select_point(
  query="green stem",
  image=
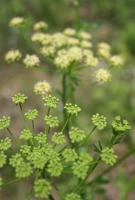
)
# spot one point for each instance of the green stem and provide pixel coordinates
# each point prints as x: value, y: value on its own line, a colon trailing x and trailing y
x: 10, y: 132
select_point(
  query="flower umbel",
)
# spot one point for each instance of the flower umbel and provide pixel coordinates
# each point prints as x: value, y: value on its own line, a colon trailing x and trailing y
x: 31, y: 114
x: 19, y: 98
x: 99, y: 121
x: 4, y: 122
x: 42, y: 188
x: 72, y: 109
x: 108, y: 156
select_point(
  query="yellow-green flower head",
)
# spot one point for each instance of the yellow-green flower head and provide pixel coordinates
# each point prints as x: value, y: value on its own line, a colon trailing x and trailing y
x: 51, y: 121
x: 16, y: 22
x: 81, y: 166
x: 42, y: 88
x: 48, y: 51
x: 4, y: 122
x: 102, y: 75
x: 58, y: 138
x: 120, y: 125
x: 73, y: 196
x: 50, y: 101
x: 31, y: 61
x: 59, y: 39
x: 41, y: 38
x: 31, y: 114
x: 116, y: 61
x: 72, y: 109
x: 72, y: 41
x: 19, y: 98
x: 69, y: 155
x: 12, y: 56
x: 99, y: 121
x: 85, y: 35
x: 5, y: 144
x: 108, y: 156
x: 42, y: 188
x: 104, y: 50
x: 69, y: 32
x: 55, y: 168
x: 76, y: 135
x: 26, y: 134
x: 41, y: 25
x: 86, y: 44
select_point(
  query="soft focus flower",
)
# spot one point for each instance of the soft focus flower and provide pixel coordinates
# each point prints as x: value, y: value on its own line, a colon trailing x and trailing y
x: 69, y: 32
x: 102, y: 75
x: 41, y: 38
x: 72, y: 41
x: 116, y: 60
x: 31, y: 61
x: 73, y: 196
x: 48, y: 50
x: 16, y: 22
x: 85, y: 35
x: 104, y: 50
x: 12, y: 56
x: 59, y: 39
x: 86, y: 44
x: 62, y: 60
x: 42, y: 88
x: 41, y: 25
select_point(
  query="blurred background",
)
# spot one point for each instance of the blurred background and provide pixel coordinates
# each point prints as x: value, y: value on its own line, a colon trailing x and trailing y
x: 107, y: 20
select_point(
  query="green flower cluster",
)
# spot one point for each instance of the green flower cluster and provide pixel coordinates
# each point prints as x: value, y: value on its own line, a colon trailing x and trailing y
x: 58, y: 138
x: 72, y: 109
x: 41, y: 138
x: 22, y: 167
x: 31, y: 114
x: 108, y: 156
x: 51, y: 121
x: 81, y: 166
x: 42, y: 188
x: 99, y: 121
x: 120, y: 125
x: 76, y: 135
x: 26, y: 134
x: 55, y: 166
x: 73, y: 196
x: 19, y: 98
x: 5, y: 122
x: 50, y: 101
x: 69, y: 155
x: 5, y: 144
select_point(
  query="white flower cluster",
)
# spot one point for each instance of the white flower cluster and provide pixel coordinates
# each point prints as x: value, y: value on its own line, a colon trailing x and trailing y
x: 12, y: 56
x: 42, y: 88
x: 16, y: 22
x: 67, y: 48
x: 31, y: 61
